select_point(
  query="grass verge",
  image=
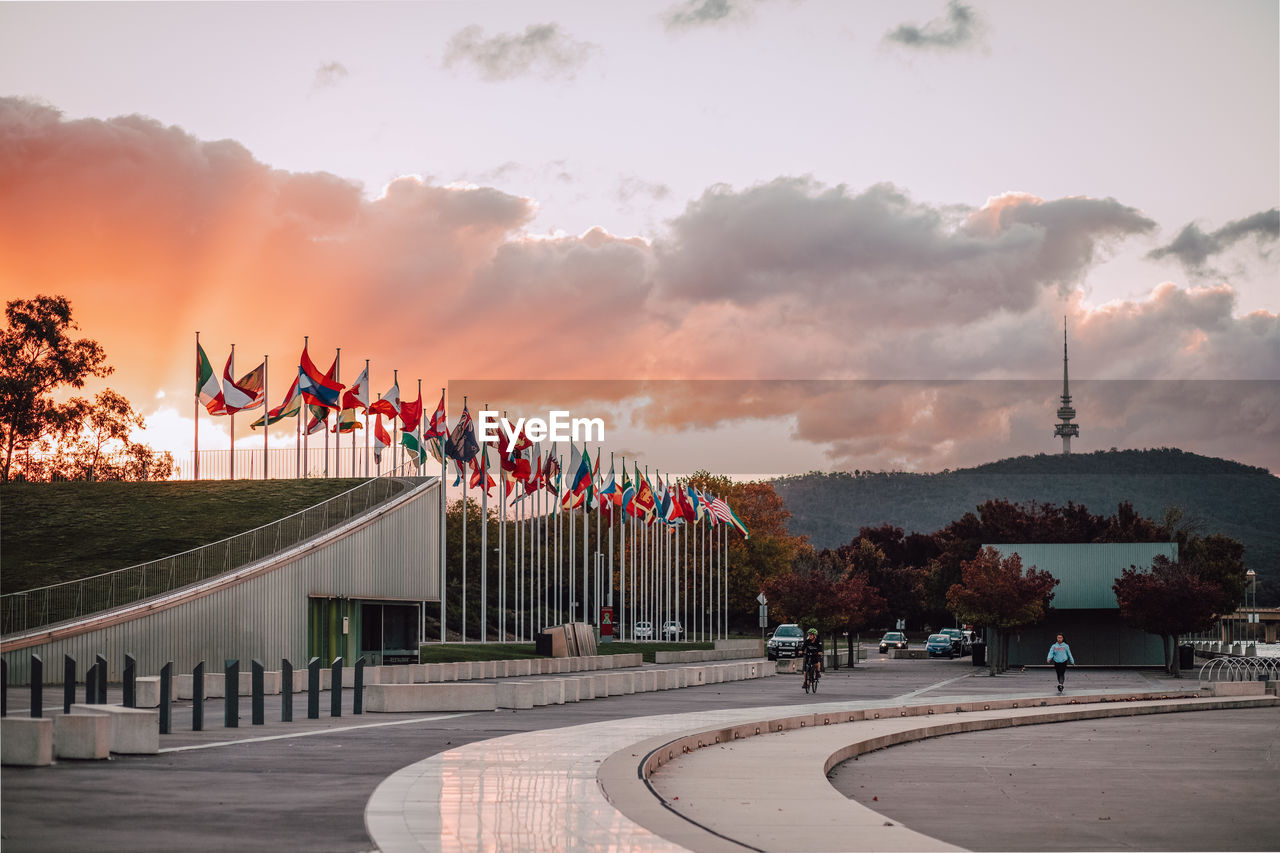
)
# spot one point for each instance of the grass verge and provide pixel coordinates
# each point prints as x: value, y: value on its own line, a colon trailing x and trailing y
x: 456, y: 652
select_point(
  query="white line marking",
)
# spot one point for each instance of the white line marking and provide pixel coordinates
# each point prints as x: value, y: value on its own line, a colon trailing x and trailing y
x: 915, y: 693
x: 315, y: 732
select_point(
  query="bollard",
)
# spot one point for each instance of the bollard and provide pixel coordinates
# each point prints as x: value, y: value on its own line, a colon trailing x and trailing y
x: 130, y: 682
x: 166, y: 709
x: 37, y: 686
x: 197, y: 698
x: 257, y: 689
x: 91, y: 685
x: 357, y: 700
x: 286, y: 691
x: 231, y: 694
x: 102, y: 680
x: 313, y: 689
x: 4, y: 688
x: 335, y: 694
x: 68, y: 683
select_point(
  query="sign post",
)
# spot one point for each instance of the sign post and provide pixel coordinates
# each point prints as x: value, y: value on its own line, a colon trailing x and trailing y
x: 606, y: 624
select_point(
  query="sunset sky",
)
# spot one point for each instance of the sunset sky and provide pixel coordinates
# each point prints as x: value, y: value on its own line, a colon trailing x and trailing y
x: 877, y: 212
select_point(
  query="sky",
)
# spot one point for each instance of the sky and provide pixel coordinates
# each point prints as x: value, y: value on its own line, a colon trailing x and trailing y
x: 827, y: 235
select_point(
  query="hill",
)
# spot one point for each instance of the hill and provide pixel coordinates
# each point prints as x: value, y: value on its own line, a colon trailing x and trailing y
x: 1216, y: 495
x: 53, y: 532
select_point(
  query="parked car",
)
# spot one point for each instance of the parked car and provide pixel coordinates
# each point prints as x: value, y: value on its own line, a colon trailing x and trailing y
x: 959, y: 642
x: 940, y: 645
x: 784, y: 642
x: 672, y: 630
x: 642, y: 631
x: 893, y: 640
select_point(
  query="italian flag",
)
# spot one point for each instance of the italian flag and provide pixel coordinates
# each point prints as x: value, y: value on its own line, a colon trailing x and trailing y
x: 411, y: 445
x: 207, y: 389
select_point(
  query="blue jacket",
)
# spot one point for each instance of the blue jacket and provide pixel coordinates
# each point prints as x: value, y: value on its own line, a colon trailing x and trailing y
x: 1058, y: 653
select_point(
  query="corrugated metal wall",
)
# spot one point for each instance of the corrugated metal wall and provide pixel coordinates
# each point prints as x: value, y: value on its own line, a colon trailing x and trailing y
x: 391, y: 553
x: 1086, y: 572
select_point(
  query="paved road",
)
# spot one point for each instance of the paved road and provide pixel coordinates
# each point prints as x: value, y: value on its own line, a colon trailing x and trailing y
x: 306, y: 787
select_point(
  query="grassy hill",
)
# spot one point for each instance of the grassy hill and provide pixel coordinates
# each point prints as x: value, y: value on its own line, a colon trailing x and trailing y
x: 1218, y: 495
x: 52, y: 532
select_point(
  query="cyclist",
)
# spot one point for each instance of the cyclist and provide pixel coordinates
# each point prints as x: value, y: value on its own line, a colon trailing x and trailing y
x: 811, y: 652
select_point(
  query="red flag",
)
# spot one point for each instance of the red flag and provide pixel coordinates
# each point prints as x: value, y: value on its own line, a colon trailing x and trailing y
x: 381, y: 439
x: 411, y: 414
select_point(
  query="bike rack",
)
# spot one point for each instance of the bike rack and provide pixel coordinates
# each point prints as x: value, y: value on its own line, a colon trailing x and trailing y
x: 1239, y: 669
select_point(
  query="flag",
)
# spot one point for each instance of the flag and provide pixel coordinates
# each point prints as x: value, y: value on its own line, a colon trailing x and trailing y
x: 686, y: 506
x: 628, y: 492
x: 410, y: 442
x: 208, y: 392
x: 578, y: 470
x: 348, y: 421
x: 380, y: 440
x: 437, y: 432
x: 357, y: 396
x: 551, y: 472
x: 245, y: 393
x: 461, y: 445
x: 411, y: 414
x: 677, y: 514
x: 289, y: 408
x: 480, y: 471
x: 721, y: 510
x: 317, y: 419
x: 319, y: 389
x: 644, y: 495
x: 513, y: 456
x: 609, y: 489
x: 696, y: 504
x: 389, y: 403
x: 661, y: 499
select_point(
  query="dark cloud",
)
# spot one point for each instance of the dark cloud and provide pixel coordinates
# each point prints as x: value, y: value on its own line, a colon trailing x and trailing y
x: 700, y: 13
x: 1193, y: 247
x: 959, y: 28
x: 878, y: 253
x: 541, y: 49
x: 329, y: 74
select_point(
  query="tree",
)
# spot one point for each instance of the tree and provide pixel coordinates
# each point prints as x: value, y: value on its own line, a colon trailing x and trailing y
x: 1169, y: 599
x: 37, y: 356
x: 95, y: 444
x: 996, y: 593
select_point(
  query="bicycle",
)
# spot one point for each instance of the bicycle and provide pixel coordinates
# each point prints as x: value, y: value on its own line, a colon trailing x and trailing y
x: 812, y: 674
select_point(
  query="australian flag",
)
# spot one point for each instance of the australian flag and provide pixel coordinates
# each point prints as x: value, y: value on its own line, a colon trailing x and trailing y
x: 461, y: 445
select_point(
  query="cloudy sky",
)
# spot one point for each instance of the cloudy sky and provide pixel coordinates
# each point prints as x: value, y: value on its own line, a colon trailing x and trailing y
x: 877, y: 214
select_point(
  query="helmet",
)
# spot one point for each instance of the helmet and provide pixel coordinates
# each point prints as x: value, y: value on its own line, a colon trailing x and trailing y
x: 813, y: 632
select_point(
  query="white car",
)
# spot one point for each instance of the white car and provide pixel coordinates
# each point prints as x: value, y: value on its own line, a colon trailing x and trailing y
x: 642, y: 631
x: 672, y: 630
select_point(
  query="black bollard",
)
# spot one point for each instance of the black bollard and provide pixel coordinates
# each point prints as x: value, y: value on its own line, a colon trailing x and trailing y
x: 37, y: 686
x: 68, y: 683
x: 4, y: 688
x: 166, y: 709
x: 91, y: 686
x: 335, y: 694
x: 258, y: 688
x: 313, y: 689
x: 130, y: 682
x: 197, y: 698
x: 286, y: 691
x: 357, y: 699
x: 231, y: 694
x: 102, y: 680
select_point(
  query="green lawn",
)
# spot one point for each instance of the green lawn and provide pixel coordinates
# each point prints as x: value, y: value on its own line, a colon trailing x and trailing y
x: 451, y: 652
x: 53, y: 532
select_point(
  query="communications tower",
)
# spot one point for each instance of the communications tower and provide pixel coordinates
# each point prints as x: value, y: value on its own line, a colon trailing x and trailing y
x: 1066, y: 413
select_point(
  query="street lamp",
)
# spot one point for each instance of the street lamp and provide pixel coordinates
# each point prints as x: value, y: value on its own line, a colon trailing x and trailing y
x: 1251, y: 602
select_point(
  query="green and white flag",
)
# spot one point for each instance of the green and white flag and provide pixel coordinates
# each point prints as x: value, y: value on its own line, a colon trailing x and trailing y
x: 208, y: 391
x: 414, y: 449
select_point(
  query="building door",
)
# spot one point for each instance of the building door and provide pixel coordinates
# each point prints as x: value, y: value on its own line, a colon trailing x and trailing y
x: 389, y: 632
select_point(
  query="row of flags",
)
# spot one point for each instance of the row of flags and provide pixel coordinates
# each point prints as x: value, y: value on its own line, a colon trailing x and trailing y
x: 522, y: 464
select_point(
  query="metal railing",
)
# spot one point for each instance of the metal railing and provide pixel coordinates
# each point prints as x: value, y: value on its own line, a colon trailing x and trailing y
x: 35, y: 608
x: 1239, y: 669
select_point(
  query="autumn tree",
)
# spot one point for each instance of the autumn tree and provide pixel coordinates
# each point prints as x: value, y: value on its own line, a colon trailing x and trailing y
x: 97, y: 444
x: 38, y: 355
x: 1170, y: 599
x: 996, y: 593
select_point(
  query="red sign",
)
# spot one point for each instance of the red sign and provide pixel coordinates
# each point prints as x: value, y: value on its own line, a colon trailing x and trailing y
x: 606, y: 621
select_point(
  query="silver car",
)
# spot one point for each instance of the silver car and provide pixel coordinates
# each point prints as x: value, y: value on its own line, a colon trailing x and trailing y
x: 642, y: 631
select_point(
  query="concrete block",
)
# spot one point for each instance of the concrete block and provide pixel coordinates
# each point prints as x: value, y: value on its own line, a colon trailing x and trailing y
x: 417, y: 673
x: 601, y: 681
x: 448, y: 671
x: 586, y: 687
x: 270, y: 683
x: 401, y: 675
x: 409, y: 698
x: 555, y: 691
x: 26, y: 741
x: 146, y: 693
x: 621, y: 683
x: 516, y: 694
x: 134, y: 731
x: 571, y: 689
x: 1239, y: 688
x: 86, y: 736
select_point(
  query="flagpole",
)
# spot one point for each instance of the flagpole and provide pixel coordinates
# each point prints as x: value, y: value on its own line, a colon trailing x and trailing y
x: 266, y: 414
x: 337, y: 372
x: 619, y: 513
x: 502, y: 548
x: 542, y: 541
x: 366, y: 435
x: 304, y: 414
x: 444, y: 519
x: 464, y: 532
x: 233, y: 415
x: 484, y: 539
x: 196, y: 415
